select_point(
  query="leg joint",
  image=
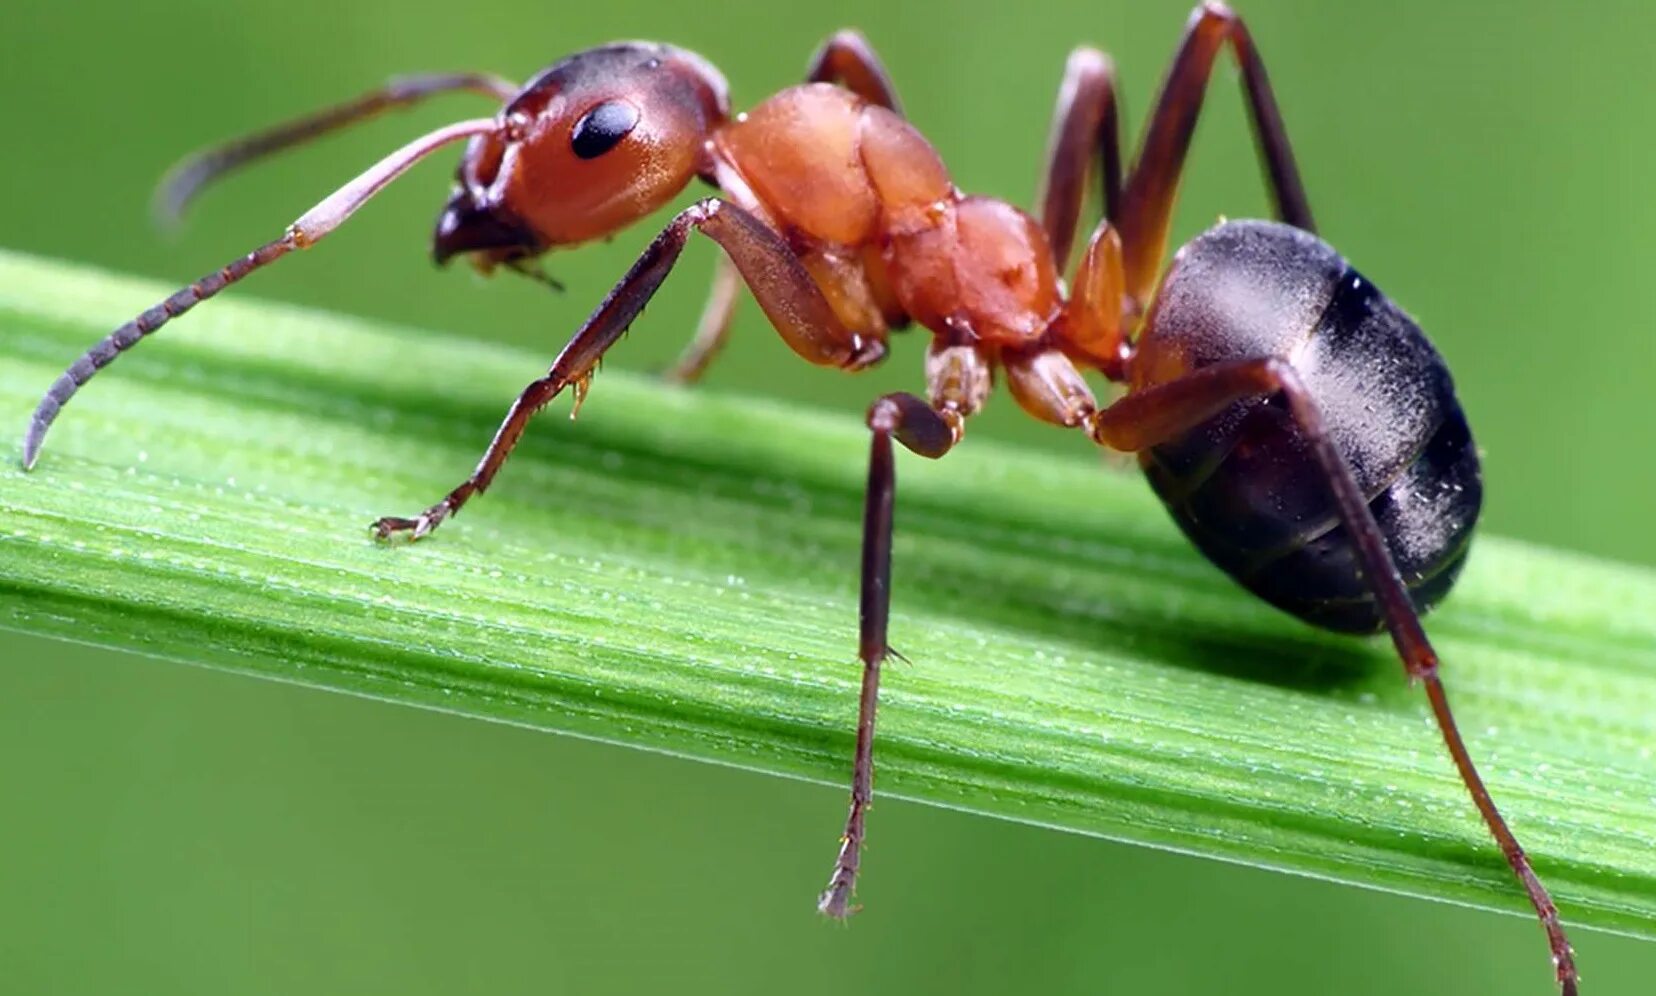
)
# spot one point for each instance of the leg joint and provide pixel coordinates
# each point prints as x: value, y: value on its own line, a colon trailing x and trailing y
x: 1093, y: 62
x: 1217, y: 11
x: 921, y: 428
x: 701, y: 212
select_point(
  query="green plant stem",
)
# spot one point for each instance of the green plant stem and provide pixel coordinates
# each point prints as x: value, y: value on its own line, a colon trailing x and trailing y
x: 677, y: 571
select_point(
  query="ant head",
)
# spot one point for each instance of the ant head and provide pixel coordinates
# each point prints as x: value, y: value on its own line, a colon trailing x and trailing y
x: 588, y: 147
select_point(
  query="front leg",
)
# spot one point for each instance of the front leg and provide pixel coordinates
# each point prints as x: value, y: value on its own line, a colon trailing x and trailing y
x: 845, y: 58
x: 784, y: 290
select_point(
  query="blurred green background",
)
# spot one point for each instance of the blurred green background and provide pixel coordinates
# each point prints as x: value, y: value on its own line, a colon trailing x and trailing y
x: 169, y: 830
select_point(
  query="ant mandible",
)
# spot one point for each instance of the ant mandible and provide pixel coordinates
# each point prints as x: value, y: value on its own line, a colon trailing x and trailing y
x: 1298, y: 425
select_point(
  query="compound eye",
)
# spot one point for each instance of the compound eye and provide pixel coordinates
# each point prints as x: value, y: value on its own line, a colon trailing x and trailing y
x: 601, y: 128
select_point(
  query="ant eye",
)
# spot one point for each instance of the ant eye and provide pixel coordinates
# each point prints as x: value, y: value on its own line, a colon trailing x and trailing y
x: 601, y: 128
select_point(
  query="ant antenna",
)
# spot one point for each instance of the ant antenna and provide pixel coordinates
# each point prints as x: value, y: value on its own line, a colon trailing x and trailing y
x: 185, y: 180
x: 305, y: 232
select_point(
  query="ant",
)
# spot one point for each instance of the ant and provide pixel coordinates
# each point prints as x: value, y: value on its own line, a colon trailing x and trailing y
x: 1298, y: 425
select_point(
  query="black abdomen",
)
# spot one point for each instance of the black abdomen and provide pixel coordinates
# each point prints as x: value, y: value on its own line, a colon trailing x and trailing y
x: 1243, y: 485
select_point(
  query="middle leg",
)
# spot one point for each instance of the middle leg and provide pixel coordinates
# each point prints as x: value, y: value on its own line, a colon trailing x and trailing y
x: 958, y: 378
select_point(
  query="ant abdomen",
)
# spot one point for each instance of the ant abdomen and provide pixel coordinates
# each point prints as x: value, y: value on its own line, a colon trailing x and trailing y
x: 1244, y: 486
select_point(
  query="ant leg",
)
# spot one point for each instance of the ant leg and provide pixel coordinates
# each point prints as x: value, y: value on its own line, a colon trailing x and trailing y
x: 959, y: 379
x: 713, y: 328
x: 930, y: 433
x: 191, y: 175
x: 1047, y: 385
x: 1085, y: 122
x: 845, y: 58
x: 785, y: 291
x: 1151, y: 416
x: 1147, y: 202
x: 1094, y: 325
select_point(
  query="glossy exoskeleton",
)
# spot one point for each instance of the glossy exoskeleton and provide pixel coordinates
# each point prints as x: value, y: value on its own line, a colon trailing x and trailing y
x: 1297, y: 423
x: 1240, y: 484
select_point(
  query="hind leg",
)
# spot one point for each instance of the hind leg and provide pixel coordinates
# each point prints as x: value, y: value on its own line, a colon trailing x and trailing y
x: 1167, y: 411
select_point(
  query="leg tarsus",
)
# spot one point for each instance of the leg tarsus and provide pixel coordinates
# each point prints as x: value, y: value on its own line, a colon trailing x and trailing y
x: 532, y: 399
x: 417, y: 527
x: 1563, y: 955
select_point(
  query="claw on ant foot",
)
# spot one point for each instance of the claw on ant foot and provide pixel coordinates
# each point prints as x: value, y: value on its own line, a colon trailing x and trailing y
x: 416, y: 528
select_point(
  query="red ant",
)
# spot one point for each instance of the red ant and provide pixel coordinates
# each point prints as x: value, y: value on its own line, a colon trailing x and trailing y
x: 1298, y: 425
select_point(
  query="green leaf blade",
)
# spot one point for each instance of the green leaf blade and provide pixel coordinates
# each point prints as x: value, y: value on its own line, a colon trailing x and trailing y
x: 677, y: 571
